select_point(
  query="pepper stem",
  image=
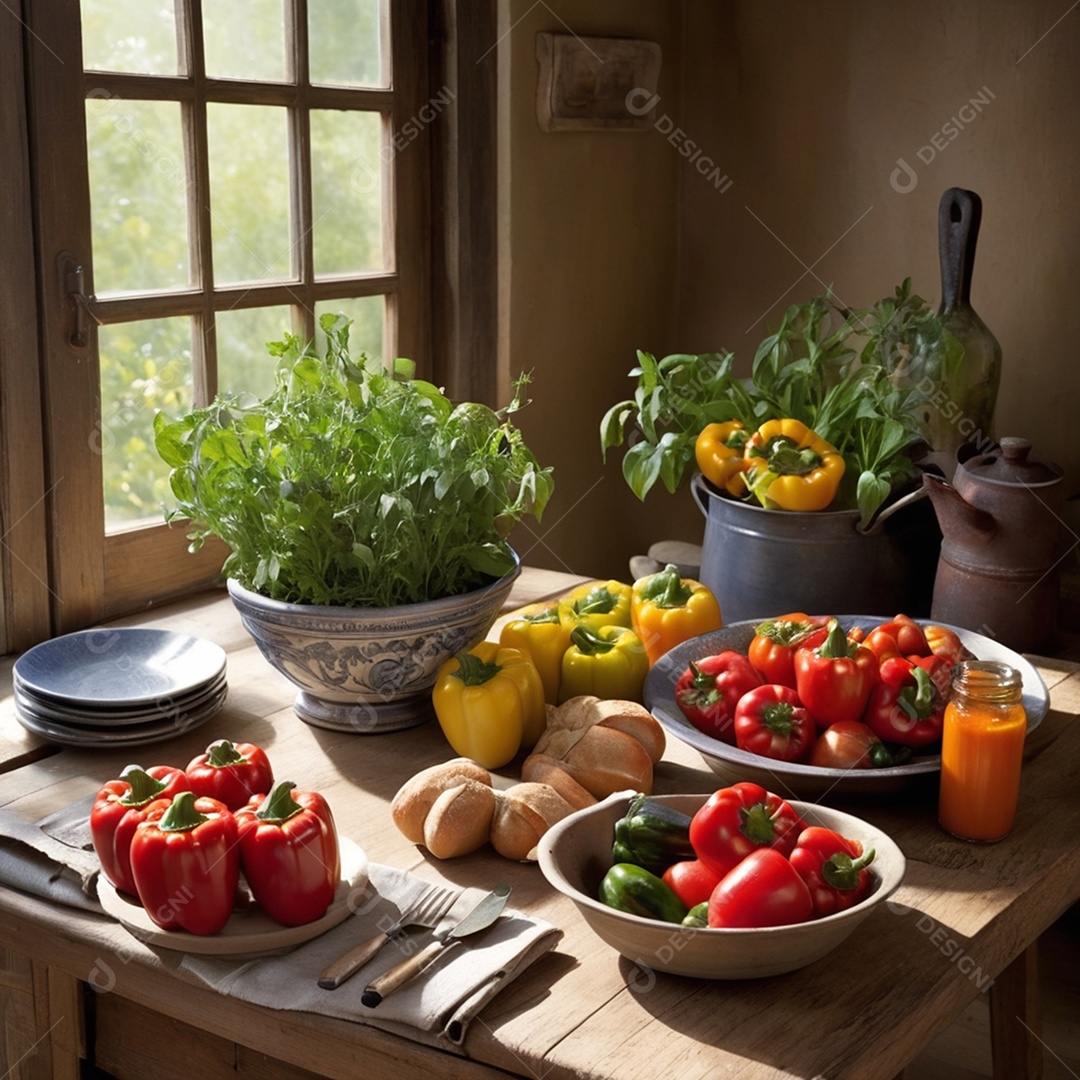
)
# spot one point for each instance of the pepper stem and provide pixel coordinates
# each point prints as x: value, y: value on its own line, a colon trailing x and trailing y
x: 473, y: 671
x: 756, y: 824
x: 598, y: 601
x: 590, y: 642
x: 917, y: 702
x: 223, y: 753
x: 785, y: 631
x: 841, y: 871
x: 181, y: 815
x: 548, y: 615
x: 279, y: 805
x: 836, y: 645
x: 666, y: 589
x: 776, y: 717
x: 143, y: 786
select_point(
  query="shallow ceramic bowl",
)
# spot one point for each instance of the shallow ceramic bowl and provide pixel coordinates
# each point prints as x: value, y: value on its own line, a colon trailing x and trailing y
x: 792, y: 778
x: 576, y: 853
x: 368, y: 669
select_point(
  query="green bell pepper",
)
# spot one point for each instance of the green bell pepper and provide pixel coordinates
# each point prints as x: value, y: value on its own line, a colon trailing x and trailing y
x: 634, y: 890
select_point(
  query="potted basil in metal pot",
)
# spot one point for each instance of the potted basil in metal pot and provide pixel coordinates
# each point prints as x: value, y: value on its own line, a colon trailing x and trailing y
x: 367, y: 517
x: 808, y: 471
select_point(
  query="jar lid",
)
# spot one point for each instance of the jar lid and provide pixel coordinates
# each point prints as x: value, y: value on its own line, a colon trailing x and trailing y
x: 1008, y: 463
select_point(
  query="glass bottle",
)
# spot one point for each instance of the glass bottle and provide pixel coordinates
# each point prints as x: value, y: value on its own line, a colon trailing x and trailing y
x: 967, y: 371
x: 982, y: 749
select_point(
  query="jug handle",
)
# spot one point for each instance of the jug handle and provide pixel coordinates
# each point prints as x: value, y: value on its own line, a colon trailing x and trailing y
x: 877, y: 524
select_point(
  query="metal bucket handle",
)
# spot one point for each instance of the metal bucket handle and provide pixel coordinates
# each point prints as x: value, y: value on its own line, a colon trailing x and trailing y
x: 701, y: 497
x: 877, y: 524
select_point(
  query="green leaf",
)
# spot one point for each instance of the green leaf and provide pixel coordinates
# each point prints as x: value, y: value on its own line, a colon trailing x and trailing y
x: 871, y: 493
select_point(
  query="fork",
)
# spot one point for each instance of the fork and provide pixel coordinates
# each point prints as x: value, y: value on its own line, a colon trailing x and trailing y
x: 429, y: 908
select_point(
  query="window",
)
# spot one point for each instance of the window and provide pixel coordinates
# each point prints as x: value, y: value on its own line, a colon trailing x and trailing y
x: 204, y: 176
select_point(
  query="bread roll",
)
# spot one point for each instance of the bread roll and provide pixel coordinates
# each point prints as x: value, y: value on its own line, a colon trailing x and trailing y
x: 459, y: 821
x: 606, y: 760
x: 636, y: 721
x: 411, y: 804
x: 541, y: 769
x: 523, y: 814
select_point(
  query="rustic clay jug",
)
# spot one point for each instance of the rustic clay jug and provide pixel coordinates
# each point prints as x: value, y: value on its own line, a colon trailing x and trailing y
x: 1001, y: 543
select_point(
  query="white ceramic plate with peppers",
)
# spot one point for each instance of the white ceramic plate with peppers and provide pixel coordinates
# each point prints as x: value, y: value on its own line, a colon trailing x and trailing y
x: 249, y: 932
x: 791, y: 778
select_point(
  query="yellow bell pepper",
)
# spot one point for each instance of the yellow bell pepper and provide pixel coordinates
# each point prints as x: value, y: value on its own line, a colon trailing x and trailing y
x: 490, y: 703
x: 718, y: 450
x: 597, y: 603
x: 789, y: 467
x: 604, y: 661
x: 668, y: 609
x: 538, y: 631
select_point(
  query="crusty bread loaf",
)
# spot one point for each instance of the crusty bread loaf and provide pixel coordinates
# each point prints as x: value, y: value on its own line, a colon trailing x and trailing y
x: 414, y: 800
x: 541, y: 769
x: 523, y: 814
x: 459, y: 821
x: 637, y: 721
x: 605, y: 760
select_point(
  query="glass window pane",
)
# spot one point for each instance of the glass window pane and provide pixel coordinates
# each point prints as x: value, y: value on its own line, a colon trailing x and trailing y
x: 346, y: 192
x: 129, y: 35
x: 244, y: 364
x: 245, y: 39
x: 249, y: 192
x: 345, y: 59
x: 145, y: 367
x: 138, y: 195
x: 365, y: 333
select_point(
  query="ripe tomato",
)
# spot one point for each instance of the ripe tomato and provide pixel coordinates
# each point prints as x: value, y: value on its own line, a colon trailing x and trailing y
x: 848, y: 744
x: 691, y: 881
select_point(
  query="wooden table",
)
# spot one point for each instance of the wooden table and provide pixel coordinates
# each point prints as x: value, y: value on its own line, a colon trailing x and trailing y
x: 964, y: 917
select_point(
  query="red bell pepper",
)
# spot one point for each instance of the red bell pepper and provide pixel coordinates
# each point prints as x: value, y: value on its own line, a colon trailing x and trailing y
x: 835, y: 679
x: 907, y: 710
x: 186, y: 865
x: 119, y: 807
x: 708, y: 691
x: 289, y: 853
x: 900, y: 636
x: 834, y: 869
x: 739, y: 819
x: 691, y: 881
x: 232, y: 773
x: 772, y: 651
x: 763, y: 890
x: 771, y: 721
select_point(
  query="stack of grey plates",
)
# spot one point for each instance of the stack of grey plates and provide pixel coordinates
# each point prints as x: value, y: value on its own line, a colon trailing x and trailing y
x: 120, y: 686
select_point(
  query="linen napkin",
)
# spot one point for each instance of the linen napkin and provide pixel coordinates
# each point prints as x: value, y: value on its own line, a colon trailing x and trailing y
x: 51, y: 858
x: 436, y: 1007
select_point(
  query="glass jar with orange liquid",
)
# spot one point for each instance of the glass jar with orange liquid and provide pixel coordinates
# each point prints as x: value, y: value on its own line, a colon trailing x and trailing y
x: 982, y: 749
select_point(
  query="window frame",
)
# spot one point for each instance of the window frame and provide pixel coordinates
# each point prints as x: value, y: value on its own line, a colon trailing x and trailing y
x: 92, y: 575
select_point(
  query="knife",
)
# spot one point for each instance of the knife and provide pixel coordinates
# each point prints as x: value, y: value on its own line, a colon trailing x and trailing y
x: 429, y: 910
x: 481, y: 916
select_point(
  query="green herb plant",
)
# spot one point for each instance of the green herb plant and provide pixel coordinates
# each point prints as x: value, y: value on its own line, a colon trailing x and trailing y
x: 855, y: 377
x: 350, y: 485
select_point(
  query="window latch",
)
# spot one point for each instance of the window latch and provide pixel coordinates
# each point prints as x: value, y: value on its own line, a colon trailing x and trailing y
x: 72, y: 283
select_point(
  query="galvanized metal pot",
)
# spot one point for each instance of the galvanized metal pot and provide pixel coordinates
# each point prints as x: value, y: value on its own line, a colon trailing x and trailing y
x: 762, y: 563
